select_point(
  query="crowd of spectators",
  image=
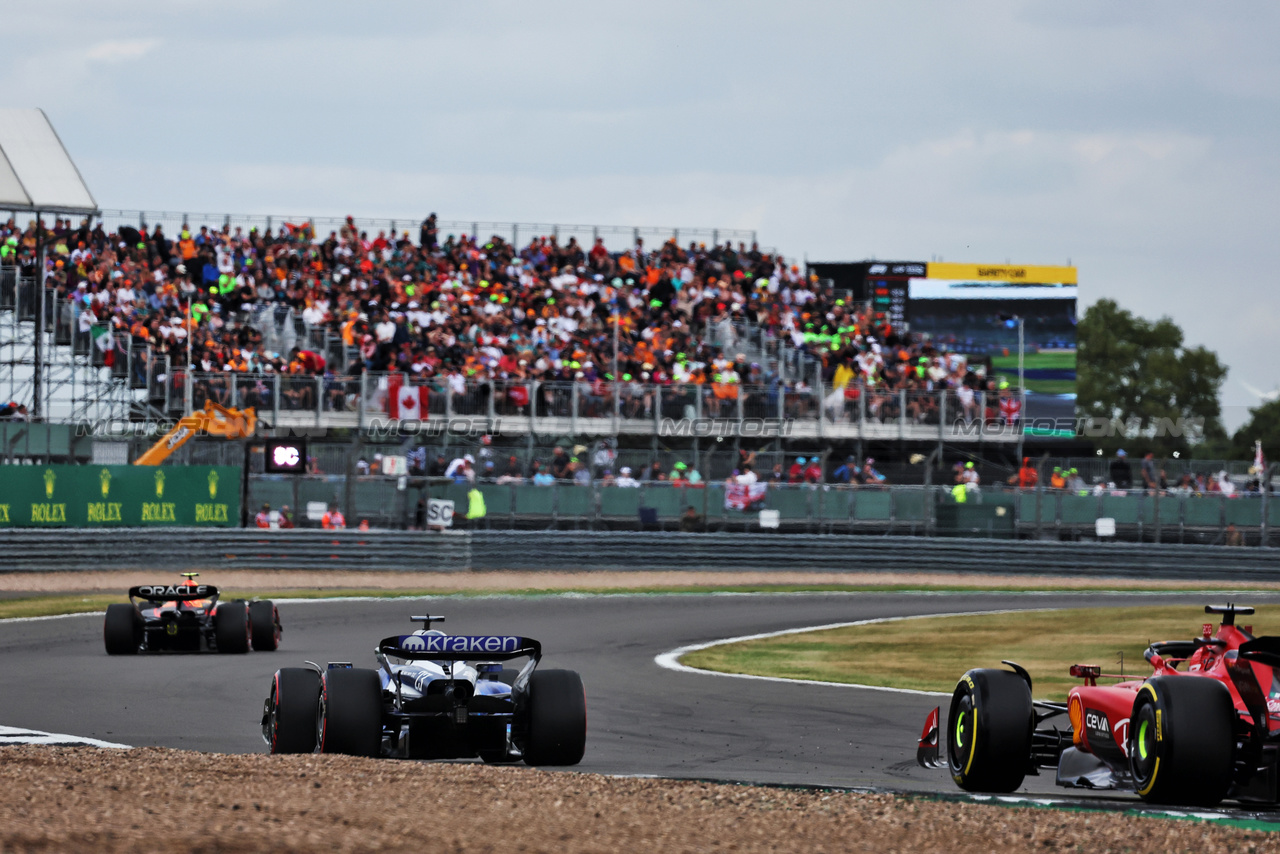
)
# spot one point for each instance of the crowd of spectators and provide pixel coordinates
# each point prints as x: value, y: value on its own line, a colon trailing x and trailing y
x: 455, y: 311
x: 585, y: 466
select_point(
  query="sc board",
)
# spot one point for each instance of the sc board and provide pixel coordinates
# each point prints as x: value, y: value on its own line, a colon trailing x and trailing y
x: 440, y: 512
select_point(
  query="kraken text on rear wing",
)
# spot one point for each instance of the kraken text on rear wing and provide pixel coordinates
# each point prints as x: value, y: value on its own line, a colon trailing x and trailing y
x: 460, y: 647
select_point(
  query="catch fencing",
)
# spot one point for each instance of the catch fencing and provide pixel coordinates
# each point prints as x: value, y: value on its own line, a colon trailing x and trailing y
x: 616, y: 237
x: 790, y: 409
x: 389, y: 502
x: 472, y: 551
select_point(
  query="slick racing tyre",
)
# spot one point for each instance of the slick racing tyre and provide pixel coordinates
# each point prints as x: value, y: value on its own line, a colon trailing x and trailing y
x: 557, y: 718
x: 231, y: 626
x: 122, y: 630
x: 289, y: 719
x: 1182, y: 741
x: 989, y: 731
x: 350, y: 714
x: 264, y: 626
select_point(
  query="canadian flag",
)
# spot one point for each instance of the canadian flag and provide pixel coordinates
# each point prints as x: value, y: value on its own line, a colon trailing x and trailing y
x: 405, y: 401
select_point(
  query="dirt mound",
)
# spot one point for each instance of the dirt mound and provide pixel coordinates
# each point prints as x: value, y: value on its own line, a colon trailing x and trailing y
x: 86, y: 799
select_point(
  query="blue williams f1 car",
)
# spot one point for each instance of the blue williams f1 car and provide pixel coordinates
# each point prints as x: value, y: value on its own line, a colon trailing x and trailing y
x: 433, y: 696
x: 187, y: 617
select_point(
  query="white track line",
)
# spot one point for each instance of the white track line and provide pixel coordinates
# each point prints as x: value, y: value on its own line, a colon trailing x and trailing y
x: 20, y: 735
x: 671, y: 660
x: 53, y: 617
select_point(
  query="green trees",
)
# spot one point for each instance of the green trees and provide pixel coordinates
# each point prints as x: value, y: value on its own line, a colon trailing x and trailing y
x: 1138, y: 375
x: 1263, y: 425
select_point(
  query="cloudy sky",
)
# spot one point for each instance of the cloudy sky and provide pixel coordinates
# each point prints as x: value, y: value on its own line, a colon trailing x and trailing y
x: 1140, y: 141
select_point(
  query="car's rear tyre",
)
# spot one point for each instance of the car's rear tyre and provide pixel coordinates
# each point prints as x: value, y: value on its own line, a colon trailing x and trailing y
x: 1182, y: 741
x: 989, y: 731
x: 231, y: 626
x: 289, y: 719
x: 122, y: 630
x: 557, y: 718
x: 350, y: 713
x: 264, y: 625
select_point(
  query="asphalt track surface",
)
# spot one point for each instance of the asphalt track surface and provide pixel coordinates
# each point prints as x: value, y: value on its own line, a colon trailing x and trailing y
x: 643, y: 719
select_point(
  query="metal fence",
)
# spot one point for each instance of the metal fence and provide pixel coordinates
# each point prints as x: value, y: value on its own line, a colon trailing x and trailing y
x: 388, y: 502
x: 198, y: 549
x: 780, y: 409
x: 616, y: 237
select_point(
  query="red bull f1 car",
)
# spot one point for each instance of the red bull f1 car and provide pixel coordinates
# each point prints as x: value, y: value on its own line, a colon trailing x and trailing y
x: 432, y: 696
x: 1202, y: 728
x: 187, y: 617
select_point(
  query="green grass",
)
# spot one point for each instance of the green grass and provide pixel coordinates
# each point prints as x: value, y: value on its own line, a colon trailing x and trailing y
x: 47, y: 605
x: 930, y: 654
x: 1007, y: 366
x: 1039, y: 361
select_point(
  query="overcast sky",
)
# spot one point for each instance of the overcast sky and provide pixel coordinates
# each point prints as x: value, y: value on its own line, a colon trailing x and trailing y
x: 1141, y: 141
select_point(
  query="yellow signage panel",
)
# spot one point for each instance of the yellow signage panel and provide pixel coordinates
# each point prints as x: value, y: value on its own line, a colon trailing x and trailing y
x: 1003, y: 273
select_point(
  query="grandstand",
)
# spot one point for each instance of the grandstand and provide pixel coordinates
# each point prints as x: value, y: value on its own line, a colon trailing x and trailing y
x: 679, y: 337
x: 560, y: 354
x: 315, y: 328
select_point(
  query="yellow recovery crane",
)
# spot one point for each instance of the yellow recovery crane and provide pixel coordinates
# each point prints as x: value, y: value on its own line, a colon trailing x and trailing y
x: 214, y: 419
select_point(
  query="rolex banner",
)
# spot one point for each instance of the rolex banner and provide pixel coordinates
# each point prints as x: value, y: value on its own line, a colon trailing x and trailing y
x: 119, y: 496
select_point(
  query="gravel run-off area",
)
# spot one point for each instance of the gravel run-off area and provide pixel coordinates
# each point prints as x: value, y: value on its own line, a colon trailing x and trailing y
x: 151, y: 799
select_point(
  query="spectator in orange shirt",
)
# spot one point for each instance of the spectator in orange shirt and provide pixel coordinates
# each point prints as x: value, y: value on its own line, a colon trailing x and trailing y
x: 333, y: 520
x: 1027, y: 476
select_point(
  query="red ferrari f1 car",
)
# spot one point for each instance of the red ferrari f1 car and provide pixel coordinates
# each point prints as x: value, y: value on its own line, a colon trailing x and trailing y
x: 1204, y: 727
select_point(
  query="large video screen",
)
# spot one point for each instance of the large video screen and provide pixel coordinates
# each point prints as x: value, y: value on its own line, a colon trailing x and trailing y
x: 980, y: 320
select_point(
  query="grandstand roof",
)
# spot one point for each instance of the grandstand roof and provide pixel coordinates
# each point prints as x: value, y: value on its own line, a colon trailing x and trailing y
x: 36, y: 173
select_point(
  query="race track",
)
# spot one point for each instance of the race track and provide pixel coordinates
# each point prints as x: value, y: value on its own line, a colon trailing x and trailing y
x: 643, y: 719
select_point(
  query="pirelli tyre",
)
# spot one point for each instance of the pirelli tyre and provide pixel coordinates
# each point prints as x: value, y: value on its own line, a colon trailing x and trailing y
x: 1182, y: 741
x: 989, y: 731
x: 122, y: 630
x: 557, y: 718
x: 289, y: 719
x: 264, y: 626
x: 231, y: 626
x: 350, y: 714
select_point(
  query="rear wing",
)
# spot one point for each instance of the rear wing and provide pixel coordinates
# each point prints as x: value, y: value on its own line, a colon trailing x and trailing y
x: 460, y: 647
x: 1265, y: 651
x: 171, y: 592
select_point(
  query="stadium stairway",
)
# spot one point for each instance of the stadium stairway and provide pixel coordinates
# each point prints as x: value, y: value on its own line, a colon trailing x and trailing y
x: 78, y: 384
